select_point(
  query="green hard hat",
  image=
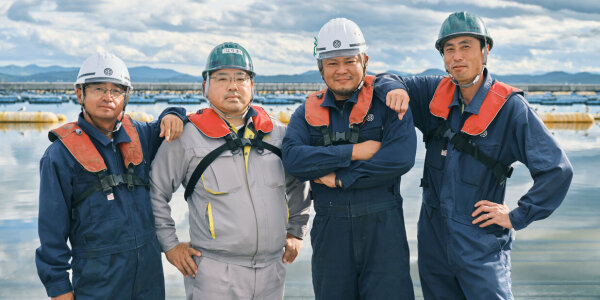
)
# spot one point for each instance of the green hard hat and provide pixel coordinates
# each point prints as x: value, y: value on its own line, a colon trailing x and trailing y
x: 228, y: 55
x: 462, y: 23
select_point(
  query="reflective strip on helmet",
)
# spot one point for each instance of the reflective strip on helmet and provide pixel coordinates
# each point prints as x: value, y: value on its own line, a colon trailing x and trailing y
x: 86, y: 74
x: 359, y: 44
x: 339, y: 53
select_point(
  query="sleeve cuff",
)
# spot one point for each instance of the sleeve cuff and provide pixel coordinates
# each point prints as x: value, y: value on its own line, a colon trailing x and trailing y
x: 297, y: 231
x: 58, y: 288
x: 345, y: 154
x: 180, y: 112
x: 167, y: 241
x: 346, y: 177
x: 516, y: 219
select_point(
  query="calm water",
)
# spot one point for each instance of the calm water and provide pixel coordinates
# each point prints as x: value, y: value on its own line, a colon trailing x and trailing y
x: 557, y: 258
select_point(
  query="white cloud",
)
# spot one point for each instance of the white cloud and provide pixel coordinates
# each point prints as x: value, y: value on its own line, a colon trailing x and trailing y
x: 528, y: 34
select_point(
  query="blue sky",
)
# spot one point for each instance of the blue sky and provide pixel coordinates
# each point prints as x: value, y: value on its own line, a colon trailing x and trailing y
x: 530, y: 36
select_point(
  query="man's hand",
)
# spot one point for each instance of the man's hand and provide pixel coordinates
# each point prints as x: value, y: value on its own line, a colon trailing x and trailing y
x: 397, y: 100
x: 292, y: 247
x: 67, y: 296
x: 181, y: 258
x: 171, y: 127
x: 365, y: 150
x: 491, y: 213
x: 328, y: 180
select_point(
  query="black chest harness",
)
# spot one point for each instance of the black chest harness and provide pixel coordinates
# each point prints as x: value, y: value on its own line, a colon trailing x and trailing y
x: 234, y: 144
x: 463, y: 143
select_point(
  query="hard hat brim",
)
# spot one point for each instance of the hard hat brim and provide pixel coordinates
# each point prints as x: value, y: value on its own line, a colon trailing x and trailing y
x: 205, y: 73
x: 105, y: 79
x: 339, y: 53
x: 439, y: 44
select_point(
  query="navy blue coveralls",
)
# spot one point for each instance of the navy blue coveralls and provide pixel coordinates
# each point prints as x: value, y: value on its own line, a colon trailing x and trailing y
x: 358, y: 235
x: 114, y: 249
x: 458, y: 259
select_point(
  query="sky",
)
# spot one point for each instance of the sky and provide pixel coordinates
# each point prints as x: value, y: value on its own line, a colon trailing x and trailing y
x: 530, y: 36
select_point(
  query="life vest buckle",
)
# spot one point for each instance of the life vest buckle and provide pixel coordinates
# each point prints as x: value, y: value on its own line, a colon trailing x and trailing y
x: 339, y: 136
x: 130, y: 184
x: 244, y: 142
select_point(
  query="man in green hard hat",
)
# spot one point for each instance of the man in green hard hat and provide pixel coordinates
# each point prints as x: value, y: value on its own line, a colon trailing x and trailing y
x: 474, y: 128
x: 244, y: 210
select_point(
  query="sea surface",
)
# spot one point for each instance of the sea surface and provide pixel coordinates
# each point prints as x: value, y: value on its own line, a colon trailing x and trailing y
x: 556, y: 258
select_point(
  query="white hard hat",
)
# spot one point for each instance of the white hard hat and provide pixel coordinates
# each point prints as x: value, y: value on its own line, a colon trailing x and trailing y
x: 339, y: 37
x: 104, y: 67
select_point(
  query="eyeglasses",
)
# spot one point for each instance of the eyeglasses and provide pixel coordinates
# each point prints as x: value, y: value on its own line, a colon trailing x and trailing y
x: 238, y: 79
x: 98, y: 92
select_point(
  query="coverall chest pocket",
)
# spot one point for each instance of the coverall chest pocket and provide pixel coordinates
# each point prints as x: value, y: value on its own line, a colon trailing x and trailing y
x: 98, y: 207
x: 472, y: 171
x: 272, y: 169
x: 222, y: 175
x: 435, y: 156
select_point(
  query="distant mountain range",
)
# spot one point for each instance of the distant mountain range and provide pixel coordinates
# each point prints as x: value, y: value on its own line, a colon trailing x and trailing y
x: 34, y: 73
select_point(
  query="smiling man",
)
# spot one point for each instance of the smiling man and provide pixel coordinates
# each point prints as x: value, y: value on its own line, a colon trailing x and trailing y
x: 244, y: 210
x: 474, y: 128
x: 353, y: 149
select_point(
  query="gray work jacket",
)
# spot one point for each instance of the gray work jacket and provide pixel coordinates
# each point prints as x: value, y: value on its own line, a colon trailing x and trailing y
x: 237, y: 215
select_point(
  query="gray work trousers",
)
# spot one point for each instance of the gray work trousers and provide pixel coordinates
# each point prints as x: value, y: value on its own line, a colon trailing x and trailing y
x: 216, y: 280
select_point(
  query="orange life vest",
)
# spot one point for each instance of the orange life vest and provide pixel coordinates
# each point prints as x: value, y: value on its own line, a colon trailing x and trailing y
x: 211, y: 125
x: 86, y: 154
x: 318, y: 116
x: 477, y: 123
x: 79, y: 144
x: 209, y: 122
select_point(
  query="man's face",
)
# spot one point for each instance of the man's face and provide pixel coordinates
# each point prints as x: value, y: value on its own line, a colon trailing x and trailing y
x: 103, y: 101
x: 463, y: 58
x: 230, y: 90
x: 343, y: 74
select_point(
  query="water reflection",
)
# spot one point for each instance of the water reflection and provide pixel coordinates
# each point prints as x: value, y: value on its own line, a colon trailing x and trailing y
x: 554, y: 258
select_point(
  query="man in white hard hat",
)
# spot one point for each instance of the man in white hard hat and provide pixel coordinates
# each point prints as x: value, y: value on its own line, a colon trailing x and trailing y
x: 474, y: 128
x: 244, y: 209
x: 353, y: 149
x: 94, y: 193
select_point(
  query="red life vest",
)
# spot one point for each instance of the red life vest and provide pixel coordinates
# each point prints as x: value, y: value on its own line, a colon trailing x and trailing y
x: 318, y: 116
x: 209, y: 122
x: 86, y: 154
x: 477, y: 123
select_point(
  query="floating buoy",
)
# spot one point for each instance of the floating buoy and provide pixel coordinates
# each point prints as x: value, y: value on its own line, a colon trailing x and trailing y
x: 28, y: 117
x: 140, y: 116
x: 284, y: 117
x: 561, y: 93
x: 566, y: 117
x: 39, y: 127
x: 586, y: 93
x: 580, y: 126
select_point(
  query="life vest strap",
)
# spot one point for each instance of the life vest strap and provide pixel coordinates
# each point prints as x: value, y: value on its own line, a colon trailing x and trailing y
x: 234, y: 145
x: 106, y: 183
x: 464, y: 144
x: 339, y: 137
